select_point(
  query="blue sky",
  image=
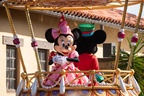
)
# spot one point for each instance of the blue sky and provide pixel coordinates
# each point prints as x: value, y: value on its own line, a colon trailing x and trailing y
x: 134, y: 9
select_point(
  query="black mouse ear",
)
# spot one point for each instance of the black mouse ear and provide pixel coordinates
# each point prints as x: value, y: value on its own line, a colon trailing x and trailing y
x: 99, y: 36
x: 77, y: 34
x: 48, y: 35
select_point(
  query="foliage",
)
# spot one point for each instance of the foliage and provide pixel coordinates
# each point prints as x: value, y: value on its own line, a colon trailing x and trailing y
x: 137, y: 62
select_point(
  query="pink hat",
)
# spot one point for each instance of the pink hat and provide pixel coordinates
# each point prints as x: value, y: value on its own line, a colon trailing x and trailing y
x: 63, y: 28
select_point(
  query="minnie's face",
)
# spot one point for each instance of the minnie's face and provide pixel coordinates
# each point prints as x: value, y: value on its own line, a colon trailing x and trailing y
x: 65, y: 45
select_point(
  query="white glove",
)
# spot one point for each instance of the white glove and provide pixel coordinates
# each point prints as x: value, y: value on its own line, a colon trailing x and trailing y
x: 60, y: 59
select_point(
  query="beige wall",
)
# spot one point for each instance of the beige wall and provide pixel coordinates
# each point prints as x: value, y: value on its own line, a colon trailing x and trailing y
x: 26, y: 50
x: 40, y: 24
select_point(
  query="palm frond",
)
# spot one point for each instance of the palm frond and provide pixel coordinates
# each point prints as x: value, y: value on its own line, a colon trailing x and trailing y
x: 139, y: 45
x: 137, y: 62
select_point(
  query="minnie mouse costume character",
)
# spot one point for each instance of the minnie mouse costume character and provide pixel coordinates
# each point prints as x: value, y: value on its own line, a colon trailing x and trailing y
x: 87, y: 47
x: 64, y: 44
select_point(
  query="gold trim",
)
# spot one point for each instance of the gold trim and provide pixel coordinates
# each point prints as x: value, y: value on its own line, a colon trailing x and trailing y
x: 68, y: 4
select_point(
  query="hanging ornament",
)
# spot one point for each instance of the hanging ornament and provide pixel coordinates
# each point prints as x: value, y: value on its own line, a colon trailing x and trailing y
x: 16, y: 41
x: 134, y: 39
x: 121, y: 35
x: 34, y: 43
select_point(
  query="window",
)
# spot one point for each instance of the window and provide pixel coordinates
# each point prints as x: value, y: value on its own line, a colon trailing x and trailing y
x: 43, y: 59
x: 108, y: 49
x: 11, y: 67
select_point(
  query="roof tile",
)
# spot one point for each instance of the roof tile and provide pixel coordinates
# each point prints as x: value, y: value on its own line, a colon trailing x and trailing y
x: 111, y: 16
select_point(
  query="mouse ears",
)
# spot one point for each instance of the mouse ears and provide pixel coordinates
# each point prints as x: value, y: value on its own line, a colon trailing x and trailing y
x: 97, y: 37
x: 52, y: 34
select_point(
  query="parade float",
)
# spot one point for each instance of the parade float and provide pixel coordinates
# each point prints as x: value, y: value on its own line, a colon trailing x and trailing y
x: 116, y: 82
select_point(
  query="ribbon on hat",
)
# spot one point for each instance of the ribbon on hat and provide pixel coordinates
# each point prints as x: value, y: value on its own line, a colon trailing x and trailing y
x: 87, y: 29
x: 63, y: 28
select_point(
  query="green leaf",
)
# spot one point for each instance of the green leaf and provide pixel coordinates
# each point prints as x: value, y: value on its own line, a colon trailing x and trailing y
x: 137, y: 62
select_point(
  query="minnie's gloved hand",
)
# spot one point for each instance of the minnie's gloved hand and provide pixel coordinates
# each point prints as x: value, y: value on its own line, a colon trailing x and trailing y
x: 60, y: 59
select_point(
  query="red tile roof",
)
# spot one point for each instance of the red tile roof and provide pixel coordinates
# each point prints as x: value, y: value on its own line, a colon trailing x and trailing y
x: 113, y: 16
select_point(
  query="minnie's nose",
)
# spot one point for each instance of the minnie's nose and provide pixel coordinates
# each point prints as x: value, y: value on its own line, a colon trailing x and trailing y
x: 66, y: 47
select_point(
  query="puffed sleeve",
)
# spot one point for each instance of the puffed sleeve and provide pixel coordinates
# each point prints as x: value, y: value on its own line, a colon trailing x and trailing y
x: 74, y: 54
x: 52, y: 54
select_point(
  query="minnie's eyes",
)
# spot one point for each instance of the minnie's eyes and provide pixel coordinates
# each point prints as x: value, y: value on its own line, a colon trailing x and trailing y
x: 63, y: 43
x: 69, y: 43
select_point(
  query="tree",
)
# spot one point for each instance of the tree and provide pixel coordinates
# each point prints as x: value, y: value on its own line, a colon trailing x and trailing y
x: 137, y: 62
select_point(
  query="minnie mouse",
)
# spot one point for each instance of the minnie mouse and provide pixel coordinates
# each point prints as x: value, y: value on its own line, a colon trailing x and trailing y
x: 64, y: 40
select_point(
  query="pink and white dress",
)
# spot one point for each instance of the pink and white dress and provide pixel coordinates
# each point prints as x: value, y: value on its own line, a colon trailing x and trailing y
x: 69, y: 77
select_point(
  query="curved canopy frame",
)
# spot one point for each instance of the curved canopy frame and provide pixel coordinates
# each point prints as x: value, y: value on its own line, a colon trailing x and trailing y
x: 71, y: 5
x: 68, y: 4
